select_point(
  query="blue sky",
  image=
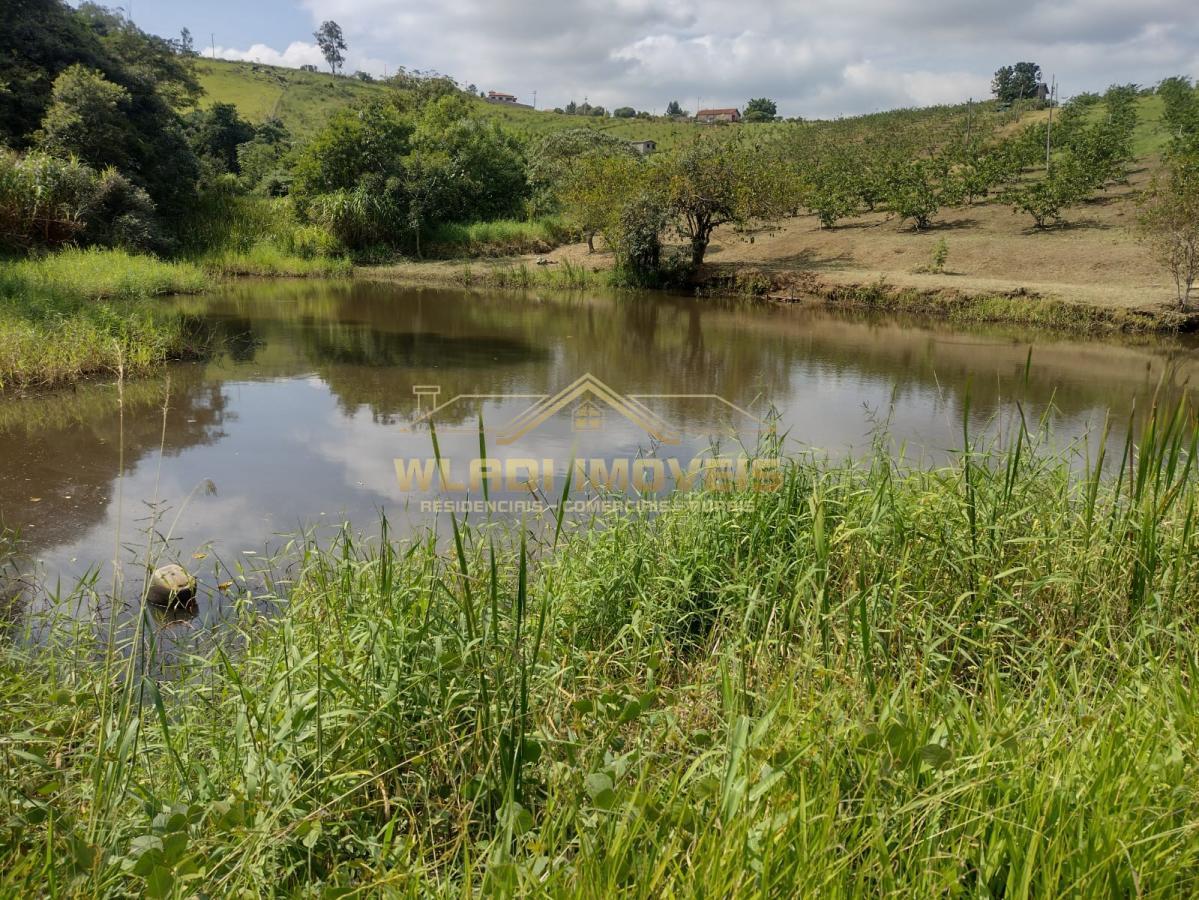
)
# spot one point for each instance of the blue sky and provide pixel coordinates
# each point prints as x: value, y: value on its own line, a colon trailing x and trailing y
x: 235, y: 22
x: 815, y: 57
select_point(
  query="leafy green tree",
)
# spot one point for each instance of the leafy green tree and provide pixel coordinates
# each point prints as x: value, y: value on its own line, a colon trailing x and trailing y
x: 830, y: 191
x: 1046, y: 198
x: 711, y: 182
x: 85, y: 118
x: 262, y: 157
x: 332, y: 43
x: 553, y: 160
x: 490, y: 180
x: 1181, y: 108
x: 186, y: 43
x: 121, y: 214
x: 369, y: 141
x: 41, y: 39
x: 674, y: 110
x: 216, y: 133
x: 1018, y: 82
x: 596, y: 196
x: 624, y: 112
x: 760, y: 109
x: 917, y: 190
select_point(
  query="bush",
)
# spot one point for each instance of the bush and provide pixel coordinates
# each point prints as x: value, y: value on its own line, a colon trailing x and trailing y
x: 237, y: 233
x: 1044, y: 200
x: 46, y: 202
x: 915, y: 192
x: 358, y: 218
x: 43, y: 199
x: 122, y: 215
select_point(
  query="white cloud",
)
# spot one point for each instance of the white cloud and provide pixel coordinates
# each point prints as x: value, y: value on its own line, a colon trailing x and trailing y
x: 822, y: 57
x: 300, y: 53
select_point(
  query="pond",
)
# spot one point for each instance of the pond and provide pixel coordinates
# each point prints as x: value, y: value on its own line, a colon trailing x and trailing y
x: 321, y: 387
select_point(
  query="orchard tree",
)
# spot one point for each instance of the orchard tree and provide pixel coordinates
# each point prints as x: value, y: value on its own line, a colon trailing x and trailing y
x: 713, y: 182
x: 917, y: 190
x: 554, y: 158
x: 1016, y: 82
x: 761, y: 109
x: 595, y: 193
x: 1169, y: 223
x: 332, y: 42
x: 1045, y: 199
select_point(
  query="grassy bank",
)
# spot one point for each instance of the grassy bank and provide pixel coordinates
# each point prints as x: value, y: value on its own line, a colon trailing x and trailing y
x: 233, y: 234
x: 85, y: 312
x: 265, y: 260
x: 1015, y: 308
x: 976, y: 680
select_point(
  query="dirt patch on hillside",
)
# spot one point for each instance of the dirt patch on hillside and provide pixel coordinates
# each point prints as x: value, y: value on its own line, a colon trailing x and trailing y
x: 1092, y: 260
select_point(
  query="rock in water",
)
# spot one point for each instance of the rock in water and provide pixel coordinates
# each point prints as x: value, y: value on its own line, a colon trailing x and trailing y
x: 171, y: 586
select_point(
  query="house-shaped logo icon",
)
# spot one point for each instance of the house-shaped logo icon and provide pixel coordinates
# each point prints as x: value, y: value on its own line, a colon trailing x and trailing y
x: 589, y: 402
x: 588, y: 416
x: 589, y: 398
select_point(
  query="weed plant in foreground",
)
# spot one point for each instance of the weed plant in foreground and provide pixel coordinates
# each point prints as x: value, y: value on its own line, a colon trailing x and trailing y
x: 973, y: 680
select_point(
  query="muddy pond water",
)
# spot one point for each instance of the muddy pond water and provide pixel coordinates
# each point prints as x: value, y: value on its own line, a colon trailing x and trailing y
x: 320, y: 387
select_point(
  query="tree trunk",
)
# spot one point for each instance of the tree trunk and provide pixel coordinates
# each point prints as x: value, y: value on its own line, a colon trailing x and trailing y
x: 591, y: 242
x: 699, y: 246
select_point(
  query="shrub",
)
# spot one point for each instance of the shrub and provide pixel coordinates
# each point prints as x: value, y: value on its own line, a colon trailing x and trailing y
x: 358, y: 218
x: 122, y: 215
x: 48, y: 202
x: 940, y: 256
x: 42, y: 199
x: 1045, y: 199
x: 915, y: 192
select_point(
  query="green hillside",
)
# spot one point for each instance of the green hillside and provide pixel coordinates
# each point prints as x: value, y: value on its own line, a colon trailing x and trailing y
x: 302, y: 100
x: 305, y: 100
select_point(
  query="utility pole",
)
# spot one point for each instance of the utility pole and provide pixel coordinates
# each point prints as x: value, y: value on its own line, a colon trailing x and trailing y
x: 1049, y: 127
x: 212, y: 36
x: 534, y: 98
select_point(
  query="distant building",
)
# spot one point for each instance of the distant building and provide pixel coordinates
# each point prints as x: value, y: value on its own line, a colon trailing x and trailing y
x: 710, y: 116
x: 644, y: 147
x: 506, y: 99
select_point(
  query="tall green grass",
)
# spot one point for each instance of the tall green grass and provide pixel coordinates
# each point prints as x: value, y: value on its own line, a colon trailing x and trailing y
x: 231, y: 233
x: 85, y: 312
x: 503, y: 237
x: 976, y: 680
